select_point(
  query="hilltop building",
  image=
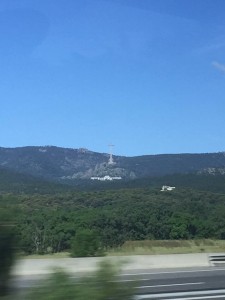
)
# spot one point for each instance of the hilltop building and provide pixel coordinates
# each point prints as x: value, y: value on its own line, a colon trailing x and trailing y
x: 167, y: 188
x: 107, y: 177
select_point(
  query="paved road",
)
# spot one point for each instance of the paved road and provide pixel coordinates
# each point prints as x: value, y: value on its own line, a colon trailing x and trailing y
x: 189, y: 284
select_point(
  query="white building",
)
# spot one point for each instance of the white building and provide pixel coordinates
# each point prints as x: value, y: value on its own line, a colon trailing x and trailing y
x: 167, y: 188
x: 106, y: 177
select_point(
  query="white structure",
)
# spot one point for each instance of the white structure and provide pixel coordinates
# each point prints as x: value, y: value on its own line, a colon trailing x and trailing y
x: 107, y: 177
x: 110, y: 162
x: 167, y: 188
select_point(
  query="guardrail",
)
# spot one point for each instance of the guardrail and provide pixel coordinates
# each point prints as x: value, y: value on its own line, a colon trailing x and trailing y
x: 217, y: 259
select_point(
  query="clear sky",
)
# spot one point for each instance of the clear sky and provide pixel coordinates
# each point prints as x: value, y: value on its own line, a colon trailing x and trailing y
x: 145, y: 75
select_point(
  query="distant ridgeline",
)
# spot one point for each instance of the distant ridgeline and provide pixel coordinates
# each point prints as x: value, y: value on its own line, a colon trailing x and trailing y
x: 72, y: 166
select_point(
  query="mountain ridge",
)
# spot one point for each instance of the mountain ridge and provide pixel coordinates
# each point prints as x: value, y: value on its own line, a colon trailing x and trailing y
x: 68, y: 164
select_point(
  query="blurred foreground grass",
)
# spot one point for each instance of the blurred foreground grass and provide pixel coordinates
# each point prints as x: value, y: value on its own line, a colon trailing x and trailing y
x: 100, y: 285
x: 7, y: 248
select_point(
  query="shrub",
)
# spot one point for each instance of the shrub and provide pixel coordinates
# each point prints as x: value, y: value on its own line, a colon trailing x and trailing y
x: 86, y: 243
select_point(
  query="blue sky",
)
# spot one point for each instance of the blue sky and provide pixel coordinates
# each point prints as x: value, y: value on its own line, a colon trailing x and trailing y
x: 145, y: 75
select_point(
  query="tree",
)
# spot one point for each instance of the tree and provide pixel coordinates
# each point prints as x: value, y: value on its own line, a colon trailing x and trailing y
x: 86, y: 243
x: 181, y: 223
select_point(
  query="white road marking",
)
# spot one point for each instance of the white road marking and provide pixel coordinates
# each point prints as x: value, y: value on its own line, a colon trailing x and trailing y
x: 130, y: 280
x: 171, y: 272
x: 164, y: 285
x: 204, y: 297
x: 183, y: 294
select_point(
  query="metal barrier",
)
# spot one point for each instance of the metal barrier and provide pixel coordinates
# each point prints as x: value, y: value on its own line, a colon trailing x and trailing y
x: 217, y: 259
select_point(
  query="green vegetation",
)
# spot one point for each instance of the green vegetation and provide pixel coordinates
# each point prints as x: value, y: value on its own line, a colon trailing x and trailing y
x: 7, y: 247
x: 86, y: 243
x: 126, y: 217
x: 50, y: 223
x: 18, y: 183
x: 117, y: 221
x: 101, y: 285
x: 169, y: 247
x: 64, y: 165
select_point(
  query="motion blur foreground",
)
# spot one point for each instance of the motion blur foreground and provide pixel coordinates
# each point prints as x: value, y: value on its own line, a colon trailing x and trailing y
x: 7, y: 248
x: 99, y: 285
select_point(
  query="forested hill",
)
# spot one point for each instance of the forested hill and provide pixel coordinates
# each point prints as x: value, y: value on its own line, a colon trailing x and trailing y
x: 50, y: 223
x: 17, y: 183
x: 69, y: 165
x: 49, y: 215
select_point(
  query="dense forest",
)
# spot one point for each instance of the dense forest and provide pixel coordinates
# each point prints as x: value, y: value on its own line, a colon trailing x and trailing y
x: 46, y: 223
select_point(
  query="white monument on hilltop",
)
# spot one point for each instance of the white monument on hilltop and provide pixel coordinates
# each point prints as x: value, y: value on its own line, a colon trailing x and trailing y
x: 111, y: 162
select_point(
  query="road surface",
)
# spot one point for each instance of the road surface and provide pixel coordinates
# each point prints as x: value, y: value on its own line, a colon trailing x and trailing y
x: 185, y: 284
x: 189, y: 284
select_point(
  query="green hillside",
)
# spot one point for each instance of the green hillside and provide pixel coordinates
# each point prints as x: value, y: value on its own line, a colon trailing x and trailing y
x: 14, y: 182
x: 49, y: 223
x: 48, y: 216
x: 69, y: 166
x: 202, y: 182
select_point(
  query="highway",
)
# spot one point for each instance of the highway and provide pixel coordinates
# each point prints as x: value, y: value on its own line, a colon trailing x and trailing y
x: 185, y: 283
x: 189, y: 284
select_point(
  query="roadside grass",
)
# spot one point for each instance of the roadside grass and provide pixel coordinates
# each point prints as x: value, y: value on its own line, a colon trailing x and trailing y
x: 153, y: 247
x: 169, y: 247
x: 50, y: 255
